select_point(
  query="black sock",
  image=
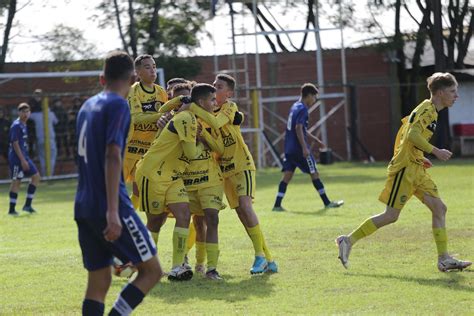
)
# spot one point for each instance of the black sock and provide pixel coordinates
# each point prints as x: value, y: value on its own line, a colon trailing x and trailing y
x: 92, y: 308
x: 30, y: 193
x: 322, y: 193
x: 128, y: 299
x: 281, y: 193
x: 13, y: 197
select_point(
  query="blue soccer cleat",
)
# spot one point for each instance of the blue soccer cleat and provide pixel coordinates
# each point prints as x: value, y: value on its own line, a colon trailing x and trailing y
x: 272, y: 267
x: 29, y: 209
x: 259, y: 265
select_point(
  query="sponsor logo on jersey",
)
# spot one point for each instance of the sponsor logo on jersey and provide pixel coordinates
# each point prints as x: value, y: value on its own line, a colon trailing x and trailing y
x: 149, y: 106
x: 145, y: 127
x: 432, y: 126
x: 228, y: 167
x: 136, y: 150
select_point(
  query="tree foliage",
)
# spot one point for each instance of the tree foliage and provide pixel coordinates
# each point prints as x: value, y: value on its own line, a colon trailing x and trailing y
x: 66, y: 43
x: 155, y: 26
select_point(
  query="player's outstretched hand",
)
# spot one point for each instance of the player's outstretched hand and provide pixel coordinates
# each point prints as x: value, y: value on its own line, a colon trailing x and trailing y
x: 114, y: 226
x: 442, y: 154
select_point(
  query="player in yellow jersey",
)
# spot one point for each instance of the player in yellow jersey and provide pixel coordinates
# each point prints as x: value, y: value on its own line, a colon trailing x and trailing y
x: 407, y: 174
x: 171, y: 83
x: 238, y: 169
x: 145, y: 98
x: 160, y: 184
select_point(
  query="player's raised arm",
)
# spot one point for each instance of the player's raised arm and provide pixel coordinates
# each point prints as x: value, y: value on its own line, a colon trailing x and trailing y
x: 113, y: 167
x: 216, y: 144
x: 214, y: 122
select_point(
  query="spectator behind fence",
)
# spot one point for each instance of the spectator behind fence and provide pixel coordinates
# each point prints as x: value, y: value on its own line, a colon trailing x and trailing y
x: 4, y: 128
x: 37, y: 117
x: 71, y: 131
x: 61, y: 128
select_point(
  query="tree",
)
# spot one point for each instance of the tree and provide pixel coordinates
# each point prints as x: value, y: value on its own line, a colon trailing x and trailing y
x: 65, y: 43
x: 10, y: 7
x: 155, y: 26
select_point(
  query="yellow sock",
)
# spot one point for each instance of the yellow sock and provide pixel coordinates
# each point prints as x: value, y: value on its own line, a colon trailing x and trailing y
x: 155, y: 237
x: 267, y: 252
x: 367, y: 228
x: 200, y: 252
x: 255, y: 235
x: 135, y: 201
x: 179, y: 245
x: 191, y: 238
x: 441, y: 240
x: 212, y: 255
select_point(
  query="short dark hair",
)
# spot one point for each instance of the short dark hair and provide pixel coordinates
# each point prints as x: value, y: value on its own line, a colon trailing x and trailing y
x: 140, y: 58
x: 181, y: 86
x: 175, y: 81
x: 307, y: 89
x: 117, y: 66
x: 22, y: 106
x: 228, y: 79
x: 201, y: 90
x: 440, y: 80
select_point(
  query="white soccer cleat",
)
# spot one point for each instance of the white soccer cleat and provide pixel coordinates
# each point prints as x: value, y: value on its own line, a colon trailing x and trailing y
x: 344, y: 244
x: 451, y: 263
x: 180, y: 273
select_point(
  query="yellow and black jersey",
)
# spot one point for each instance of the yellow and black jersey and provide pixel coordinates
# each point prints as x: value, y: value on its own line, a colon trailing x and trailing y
x: 144, y: 106
x: 166, y: 159
x: 414, y: 135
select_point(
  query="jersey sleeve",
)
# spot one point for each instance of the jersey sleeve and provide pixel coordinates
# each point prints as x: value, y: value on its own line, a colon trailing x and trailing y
x: 117, y: 123
x: 418, y: 124
x: 215, y: 122
x: 15, y: 133
x: 186, y: 127
x: 301, y: 116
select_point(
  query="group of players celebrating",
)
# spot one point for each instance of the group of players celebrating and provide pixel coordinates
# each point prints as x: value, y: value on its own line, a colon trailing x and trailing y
x: 184, y: 150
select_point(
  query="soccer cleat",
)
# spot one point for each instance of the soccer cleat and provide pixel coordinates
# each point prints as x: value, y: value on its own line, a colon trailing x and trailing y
x: 344, y: 245
x: 272, y: 267
x: 28, y: 209
x: 278, y: 209
x: 451, y: 263
x: 259, y: 265
x: 334, y: 204
x: 213, y: 275
x: 200, y: 269
x: 14, y: 214
x: 180, y: 273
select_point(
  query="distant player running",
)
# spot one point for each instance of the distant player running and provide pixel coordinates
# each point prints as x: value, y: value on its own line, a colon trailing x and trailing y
x: 20, y: 163
x: 107, y: 222
x: 297, y: 150
x: 407, y: 174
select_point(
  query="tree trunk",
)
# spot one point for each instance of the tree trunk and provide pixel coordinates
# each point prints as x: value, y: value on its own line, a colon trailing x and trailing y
x: 463, y: 40
x: 153, y: 30
x: 132, y: 30
x: 6, y: 33
x: 119, y: 25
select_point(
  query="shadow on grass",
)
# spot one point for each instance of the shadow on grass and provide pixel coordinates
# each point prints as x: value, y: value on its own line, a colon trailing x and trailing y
x: 449, y: 280
x: 204, y: 289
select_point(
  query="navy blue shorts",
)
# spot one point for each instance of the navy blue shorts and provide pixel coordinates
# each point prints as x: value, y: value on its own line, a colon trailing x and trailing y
x: 134, y: 244
x: 17, y: 172
x: 307, y: 165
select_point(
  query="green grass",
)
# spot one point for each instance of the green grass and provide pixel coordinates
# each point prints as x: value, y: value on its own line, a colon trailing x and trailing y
x: 392, y: 272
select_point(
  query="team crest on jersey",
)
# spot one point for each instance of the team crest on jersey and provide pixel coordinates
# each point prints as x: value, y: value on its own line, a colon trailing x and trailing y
x: 403, y: 199
x: 155, y: 204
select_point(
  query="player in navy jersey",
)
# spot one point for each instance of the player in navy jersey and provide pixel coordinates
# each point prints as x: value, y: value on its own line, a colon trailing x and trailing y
x: 19, y: 161
x: 107, y: 223
x: 297, y: 151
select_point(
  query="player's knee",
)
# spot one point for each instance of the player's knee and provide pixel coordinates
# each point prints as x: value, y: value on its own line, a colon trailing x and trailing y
x: 391, y: 217
x: 212, y: 220
x: 151, y: 270
x: 154, y: 224
x: 441, y: 209
x: 36, y: 178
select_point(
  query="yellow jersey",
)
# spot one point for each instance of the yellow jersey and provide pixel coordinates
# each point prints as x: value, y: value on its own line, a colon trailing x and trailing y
x: 144, y: 106
x: 203, y: 171
x: 165, y: 159
x: 413, y: 136
x: 227, y: 120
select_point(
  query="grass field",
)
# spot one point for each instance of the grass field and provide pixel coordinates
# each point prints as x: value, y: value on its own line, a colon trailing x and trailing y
x: 392, y: 272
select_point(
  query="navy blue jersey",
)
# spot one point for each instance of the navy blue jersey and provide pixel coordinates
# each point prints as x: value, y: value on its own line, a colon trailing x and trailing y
x: 298, y: 115
x: 18, y: 133
x: 103, y: 119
